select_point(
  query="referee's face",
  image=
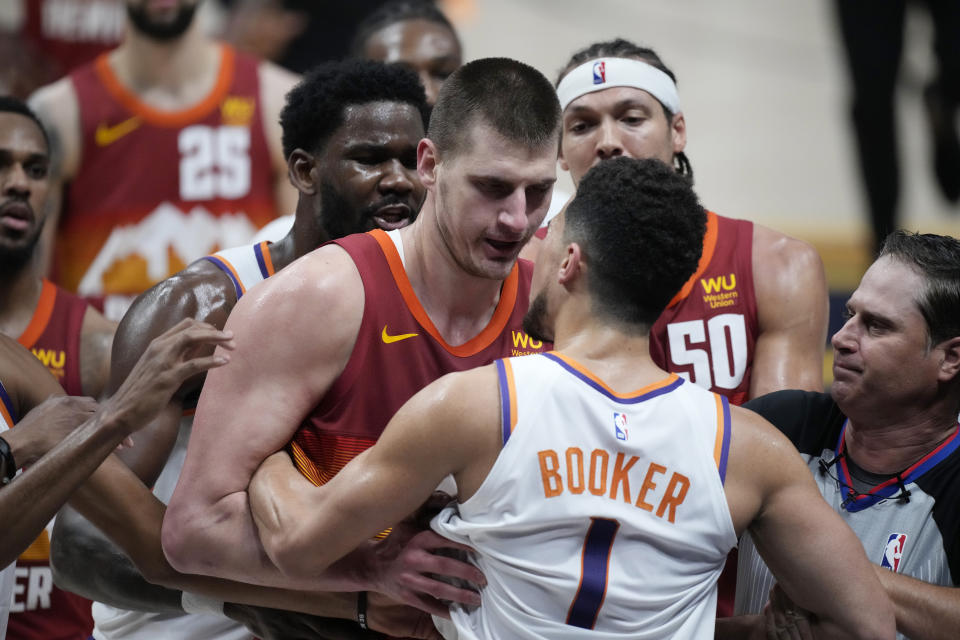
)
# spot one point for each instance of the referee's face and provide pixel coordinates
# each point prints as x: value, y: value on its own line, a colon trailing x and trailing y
x: 883, y: 362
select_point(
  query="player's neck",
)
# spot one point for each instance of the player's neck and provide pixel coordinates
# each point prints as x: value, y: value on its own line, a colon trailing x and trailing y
x: 881, y: 445
x: 186, y: 68
x: 19, y: 295
x: 459, y: 304
x: 620, y: 357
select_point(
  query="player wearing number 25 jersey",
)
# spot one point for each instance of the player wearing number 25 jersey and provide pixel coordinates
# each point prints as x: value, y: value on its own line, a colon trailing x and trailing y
x: 169, y: 150
x: 190, y: 182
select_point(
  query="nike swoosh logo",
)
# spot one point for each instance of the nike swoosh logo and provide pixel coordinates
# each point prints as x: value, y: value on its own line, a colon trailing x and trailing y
x: 107, y: 135
x: 387, y: 338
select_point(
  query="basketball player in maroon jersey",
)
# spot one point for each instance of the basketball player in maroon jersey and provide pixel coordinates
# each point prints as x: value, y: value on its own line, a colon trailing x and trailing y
x: 62, y: 330
x: 753, y: 318
x: 334, y: 344
x: 350, y: 131
x: 171, y: 150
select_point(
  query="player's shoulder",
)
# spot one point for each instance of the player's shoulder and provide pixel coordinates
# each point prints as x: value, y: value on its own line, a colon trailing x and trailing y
x: 200, y: 291
x: 25, y: 379
x: 776, y: 248
x: 323, y: 284
x: 50, y: 95
x: 275, y: 81
x: 784, y: 266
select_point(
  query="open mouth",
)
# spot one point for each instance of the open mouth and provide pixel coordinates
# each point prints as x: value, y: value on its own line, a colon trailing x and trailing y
x: 504, y: 248
x: 394, y: 216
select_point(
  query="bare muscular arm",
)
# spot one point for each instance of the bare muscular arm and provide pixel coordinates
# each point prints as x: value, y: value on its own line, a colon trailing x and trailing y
x: 817, y: 559
x: 131, y: 572
x: 924, y: 611
x: 294, y: 335
x: 36, y: 495
x: 792, y: 308
x: 305, y: 528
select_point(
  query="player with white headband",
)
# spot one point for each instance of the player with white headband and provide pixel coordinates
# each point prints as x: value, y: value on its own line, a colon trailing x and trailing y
x: 753, y: 318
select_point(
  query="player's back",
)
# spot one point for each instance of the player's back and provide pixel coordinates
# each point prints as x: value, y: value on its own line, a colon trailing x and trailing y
x: 604, y: 514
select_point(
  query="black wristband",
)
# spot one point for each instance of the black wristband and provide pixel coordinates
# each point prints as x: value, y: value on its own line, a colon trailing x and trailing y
x: 9, y: 466
x: 362, y: 609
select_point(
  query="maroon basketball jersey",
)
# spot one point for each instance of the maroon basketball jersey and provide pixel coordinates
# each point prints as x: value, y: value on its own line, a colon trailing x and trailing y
x: 40, y: 610
x: 73, y: 32
x: 398, y: 352
x: 53, y: 335
x: 158, y: 189
x: 709, y: 330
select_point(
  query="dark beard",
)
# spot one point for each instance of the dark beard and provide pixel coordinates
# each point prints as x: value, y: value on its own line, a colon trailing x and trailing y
x: 14, y: 259
x: 534, y: 321
x: 162, y: 32
x: 336, y: 216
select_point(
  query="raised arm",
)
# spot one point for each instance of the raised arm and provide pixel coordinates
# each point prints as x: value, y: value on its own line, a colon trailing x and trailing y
x: 792, y: 307
x: 816, y: 558
x: 294, y: 335
x: 36, y: 494
x: 125, y: 575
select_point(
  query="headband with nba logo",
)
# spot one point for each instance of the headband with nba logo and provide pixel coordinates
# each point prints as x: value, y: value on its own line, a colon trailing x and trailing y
x: 604, y: 73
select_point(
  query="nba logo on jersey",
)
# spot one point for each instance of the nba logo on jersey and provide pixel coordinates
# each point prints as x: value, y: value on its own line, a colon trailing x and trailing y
x: 893, y: 551
x: 599, y: 72
x: 620, y: 425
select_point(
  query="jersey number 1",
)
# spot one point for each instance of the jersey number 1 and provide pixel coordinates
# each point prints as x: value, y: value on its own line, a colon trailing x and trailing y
x: 594, y: 573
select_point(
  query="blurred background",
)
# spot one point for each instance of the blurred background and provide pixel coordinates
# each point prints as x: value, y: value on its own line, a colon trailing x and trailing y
x: 765, y: 86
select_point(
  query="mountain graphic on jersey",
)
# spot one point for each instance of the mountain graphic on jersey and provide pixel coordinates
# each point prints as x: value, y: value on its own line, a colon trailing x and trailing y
x: 163, y: 243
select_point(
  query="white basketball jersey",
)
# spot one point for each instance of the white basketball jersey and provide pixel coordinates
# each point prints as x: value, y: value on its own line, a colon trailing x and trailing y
x: 604, y: 515
x: 246, y: 266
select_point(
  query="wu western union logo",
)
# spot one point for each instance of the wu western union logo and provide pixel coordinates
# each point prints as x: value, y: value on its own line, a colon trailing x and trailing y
x: 53, y: 360
x: 721, y: 290
x: 388, y: 339
x: 524, y: 345
x: 237, y: 111
x: 107, y: 135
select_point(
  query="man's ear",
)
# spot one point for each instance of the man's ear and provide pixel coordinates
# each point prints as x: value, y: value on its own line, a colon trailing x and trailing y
x: 572, y: 266
x: 301, y: 170
x: 427, y: 161
x: 678, y: 133
x: 950, y: 365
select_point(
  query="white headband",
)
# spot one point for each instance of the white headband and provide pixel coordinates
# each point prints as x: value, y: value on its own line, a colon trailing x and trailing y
x: 604, y: 73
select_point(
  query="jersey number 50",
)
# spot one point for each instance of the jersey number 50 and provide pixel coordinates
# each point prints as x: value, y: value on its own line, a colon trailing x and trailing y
x: 726, y: 348
x: 214, y: 162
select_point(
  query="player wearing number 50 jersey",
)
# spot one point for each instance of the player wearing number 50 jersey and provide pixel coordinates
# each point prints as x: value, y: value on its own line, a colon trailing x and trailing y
x: 170, y: 149
x: 600, y: 493
x: 752, y: 318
